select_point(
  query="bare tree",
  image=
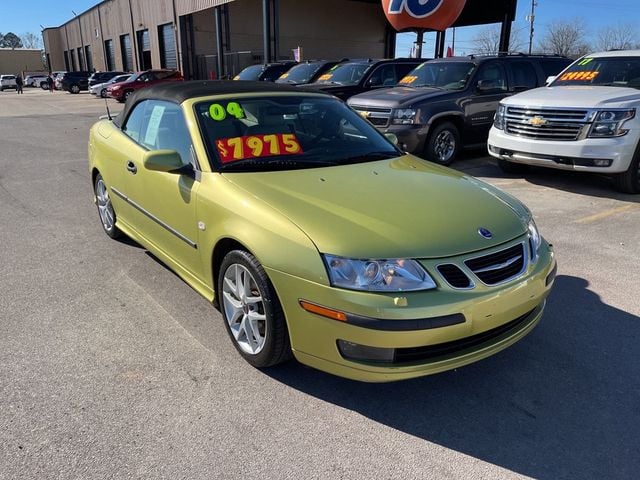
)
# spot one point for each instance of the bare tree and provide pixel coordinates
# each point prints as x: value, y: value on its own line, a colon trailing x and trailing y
x: 565, y: 38
x: 487, y: 40
x: 31, y: 40
x: 620, y: 37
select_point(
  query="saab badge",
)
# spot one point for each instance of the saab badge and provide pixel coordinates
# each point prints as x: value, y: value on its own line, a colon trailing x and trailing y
x: 484, y: 233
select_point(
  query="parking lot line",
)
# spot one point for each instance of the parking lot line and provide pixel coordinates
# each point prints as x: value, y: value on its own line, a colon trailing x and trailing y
x: 605, y: 214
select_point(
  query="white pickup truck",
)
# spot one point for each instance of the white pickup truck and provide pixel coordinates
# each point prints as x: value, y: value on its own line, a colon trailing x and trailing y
x: 586, y: 119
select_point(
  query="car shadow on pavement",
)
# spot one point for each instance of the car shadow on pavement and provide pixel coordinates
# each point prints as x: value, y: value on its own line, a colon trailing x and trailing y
x: 562, y: 403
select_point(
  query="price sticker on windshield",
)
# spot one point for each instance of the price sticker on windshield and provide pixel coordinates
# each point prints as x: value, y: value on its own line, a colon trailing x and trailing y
x: 326, y: 76
x: 283, y: 76
x: 408, y: 79
x: 256, y: 146
x: 577, y: 76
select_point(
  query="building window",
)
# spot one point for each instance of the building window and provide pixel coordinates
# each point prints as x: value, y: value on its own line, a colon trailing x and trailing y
x: 144, y: 49
x: 80, y: 59
x: 168, y: 56
x: 127, y: 54
x: 72, y: 53
x: 88, y: 57
x: 109, y: 61
x: 66, y: 61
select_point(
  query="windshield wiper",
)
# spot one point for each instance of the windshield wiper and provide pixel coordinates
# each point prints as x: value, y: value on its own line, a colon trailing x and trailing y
x: 369, y: 157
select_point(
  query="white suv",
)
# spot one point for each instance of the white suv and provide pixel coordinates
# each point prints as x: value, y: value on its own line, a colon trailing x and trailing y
x: 7, y: 81
x: 586, y: 119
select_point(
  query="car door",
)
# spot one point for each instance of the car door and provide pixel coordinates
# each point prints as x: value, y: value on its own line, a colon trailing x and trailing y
x: 164, y: 203
x: 488, y: 87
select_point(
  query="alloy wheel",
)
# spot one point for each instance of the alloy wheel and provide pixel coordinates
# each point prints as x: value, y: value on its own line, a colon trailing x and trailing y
x: 444, y: 146
x: 244, y: 309
x: 105, y: 209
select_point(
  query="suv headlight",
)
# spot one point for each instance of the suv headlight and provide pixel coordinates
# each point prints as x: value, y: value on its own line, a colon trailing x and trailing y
x: 609, y: 123
x: 394, y: 275
x: 498, y: 120
x: 403, y: 116
x: 535, y: 240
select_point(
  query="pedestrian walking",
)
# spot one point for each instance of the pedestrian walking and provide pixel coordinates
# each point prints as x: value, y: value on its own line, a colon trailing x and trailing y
x: 19, y: 83
x: 50, y: 83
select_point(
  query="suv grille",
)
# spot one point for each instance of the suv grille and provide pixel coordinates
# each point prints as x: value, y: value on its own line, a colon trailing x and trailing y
x: 500, y: 266
x: 546, y: 124
x: 379, y: 117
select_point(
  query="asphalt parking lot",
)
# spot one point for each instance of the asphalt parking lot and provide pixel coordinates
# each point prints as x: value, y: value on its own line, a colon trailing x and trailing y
x: 112, y: 367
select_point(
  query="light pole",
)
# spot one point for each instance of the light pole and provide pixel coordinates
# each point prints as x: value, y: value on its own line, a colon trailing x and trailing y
x: 530, y: 18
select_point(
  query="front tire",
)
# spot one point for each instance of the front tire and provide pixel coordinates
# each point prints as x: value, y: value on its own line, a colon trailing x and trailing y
x: 629, y: 181
x: 127, y: 94
x: 252, y: 312
x: 443, y: 144
x: 74, y: 89
x: 105, y: 208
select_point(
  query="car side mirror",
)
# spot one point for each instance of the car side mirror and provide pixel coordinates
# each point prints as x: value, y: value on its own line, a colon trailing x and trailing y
x: 162, y: 160
x: 485, y: 86
x: 550, y: 79
x: 392, y: 137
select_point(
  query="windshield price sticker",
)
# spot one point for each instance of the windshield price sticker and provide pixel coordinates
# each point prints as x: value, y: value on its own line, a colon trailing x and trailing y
x: 219, y: 112
x: 283, y: 76
x: 326, y: 76
x: 579, y: 76
x: 408, y: 79
x: 256, y: 146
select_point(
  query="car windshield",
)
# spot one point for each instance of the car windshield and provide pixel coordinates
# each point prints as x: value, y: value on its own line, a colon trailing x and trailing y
x: 446, y: 75
x: 602, y: 71
x: 287, y: 132
x: 300, y: 73
x: 345, y: 74
x: 250, y: 73
x: 120, y: 78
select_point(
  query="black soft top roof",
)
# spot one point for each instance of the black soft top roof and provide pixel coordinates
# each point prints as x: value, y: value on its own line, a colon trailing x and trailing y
x: 178, y: 92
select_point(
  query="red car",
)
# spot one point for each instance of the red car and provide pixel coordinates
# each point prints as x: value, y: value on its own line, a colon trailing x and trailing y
x: 121, y: 90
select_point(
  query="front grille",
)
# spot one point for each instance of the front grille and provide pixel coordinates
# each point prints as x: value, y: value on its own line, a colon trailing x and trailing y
x: 379, y: 117
x: 416, y: 354
x: 454, y: 276
x: 500, y: 266
x: 546, y: 124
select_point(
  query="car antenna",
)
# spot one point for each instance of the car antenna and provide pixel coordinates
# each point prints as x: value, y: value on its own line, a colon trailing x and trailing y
x: 106, y: 104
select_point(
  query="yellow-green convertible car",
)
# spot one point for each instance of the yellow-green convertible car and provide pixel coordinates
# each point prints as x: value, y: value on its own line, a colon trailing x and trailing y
x: 314, y: 234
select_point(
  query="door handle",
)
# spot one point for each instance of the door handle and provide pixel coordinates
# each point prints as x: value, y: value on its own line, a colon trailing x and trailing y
x: 132, y: 167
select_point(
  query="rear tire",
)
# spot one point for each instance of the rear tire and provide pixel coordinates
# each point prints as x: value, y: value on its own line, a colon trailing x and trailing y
x: 127, y: 94
x: 105, y: 208
x: 74, y: 89
x: 103, y: 93
x: 443, y: 144
x: 512, y: 167
x: 629, y: 181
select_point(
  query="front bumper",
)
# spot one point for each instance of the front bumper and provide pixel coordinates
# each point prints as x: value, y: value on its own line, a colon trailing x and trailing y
x: 411, y: 138
x: 485, y: 311
x: 576, y: 155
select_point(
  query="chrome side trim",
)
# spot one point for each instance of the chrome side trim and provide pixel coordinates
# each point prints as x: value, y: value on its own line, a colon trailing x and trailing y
x: 150, y: 215
x: 525, y: 264
x: 499, y: 266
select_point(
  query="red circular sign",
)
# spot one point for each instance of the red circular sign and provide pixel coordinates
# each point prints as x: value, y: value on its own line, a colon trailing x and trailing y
x: 430, y: 14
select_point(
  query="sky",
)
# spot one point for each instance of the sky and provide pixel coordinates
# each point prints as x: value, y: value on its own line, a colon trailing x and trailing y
x: 29, y: 16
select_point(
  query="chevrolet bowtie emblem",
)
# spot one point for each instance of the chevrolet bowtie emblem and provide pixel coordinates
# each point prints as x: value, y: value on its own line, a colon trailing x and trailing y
x: 537, y: 121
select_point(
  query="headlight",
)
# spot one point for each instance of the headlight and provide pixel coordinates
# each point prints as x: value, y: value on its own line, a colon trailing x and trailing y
x: 498, y: 120
x: 396, y: 275
x: 608, y: 123
x: 116, y: 87
x: 534, y: 239
x: 404, y: 116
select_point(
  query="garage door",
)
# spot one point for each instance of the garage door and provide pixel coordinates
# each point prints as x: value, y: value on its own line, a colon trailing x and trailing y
x: 168, y: 58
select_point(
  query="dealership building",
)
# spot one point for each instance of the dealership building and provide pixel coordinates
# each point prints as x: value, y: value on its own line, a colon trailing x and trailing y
x: 214, y: 38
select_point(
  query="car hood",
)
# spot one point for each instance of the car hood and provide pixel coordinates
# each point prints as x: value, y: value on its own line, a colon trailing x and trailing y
x: 396, y: 96
x: 404, y: 207
x: 579, y: 96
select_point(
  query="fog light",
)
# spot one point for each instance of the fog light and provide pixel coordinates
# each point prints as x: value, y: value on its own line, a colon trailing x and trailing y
x: 601, y: 162
x: 363, y: 353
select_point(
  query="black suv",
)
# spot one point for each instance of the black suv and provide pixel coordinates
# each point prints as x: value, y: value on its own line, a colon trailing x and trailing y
x: 357, y: 76
x: 101, y: 77
x: 264, y: 73
x: 446, y: 103
x: 75, y: 81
